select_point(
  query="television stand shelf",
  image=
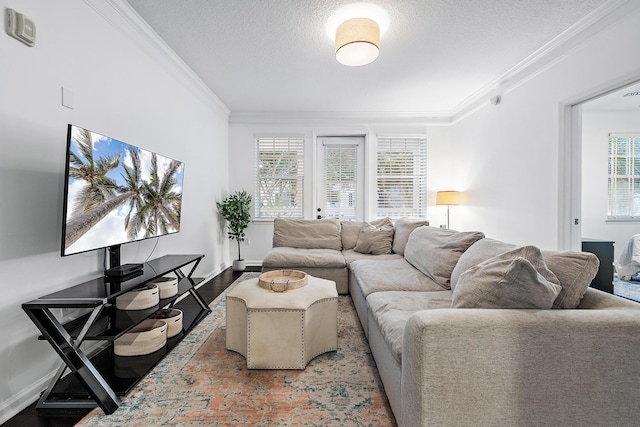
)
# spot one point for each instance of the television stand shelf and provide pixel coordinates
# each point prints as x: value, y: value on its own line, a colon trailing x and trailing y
x: 99, y: 378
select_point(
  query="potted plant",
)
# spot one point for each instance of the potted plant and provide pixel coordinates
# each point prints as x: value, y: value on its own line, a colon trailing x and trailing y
x: 235, y: 210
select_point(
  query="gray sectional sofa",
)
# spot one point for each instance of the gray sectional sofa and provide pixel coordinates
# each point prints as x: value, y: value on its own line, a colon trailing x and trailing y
x: 468, y: 330
x: 325, y: 248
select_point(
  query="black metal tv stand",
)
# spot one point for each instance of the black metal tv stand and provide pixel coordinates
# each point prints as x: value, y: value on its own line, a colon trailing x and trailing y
x: 99, y: 378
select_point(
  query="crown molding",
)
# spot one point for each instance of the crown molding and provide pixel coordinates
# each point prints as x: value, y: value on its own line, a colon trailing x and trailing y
x: 338, y: 117
x: 124, y: 18
x: 120, y: 15
x: 546, y: 56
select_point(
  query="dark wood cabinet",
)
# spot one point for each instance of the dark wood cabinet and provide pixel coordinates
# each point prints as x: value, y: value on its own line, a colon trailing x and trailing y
x: 603, y: 249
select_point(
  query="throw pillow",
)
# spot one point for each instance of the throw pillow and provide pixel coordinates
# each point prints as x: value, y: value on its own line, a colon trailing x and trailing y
x: 435, y: 251
x: 401, y: 231
x: 515, y: 279
x: 375, y: 237
x: 480, y: 251
x: 575, y: 270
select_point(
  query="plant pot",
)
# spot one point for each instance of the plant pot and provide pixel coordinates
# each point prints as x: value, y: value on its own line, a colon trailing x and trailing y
x: 239, y: 265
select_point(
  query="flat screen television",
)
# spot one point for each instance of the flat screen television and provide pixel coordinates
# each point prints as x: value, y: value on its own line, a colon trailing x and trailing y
x: 116, y: 193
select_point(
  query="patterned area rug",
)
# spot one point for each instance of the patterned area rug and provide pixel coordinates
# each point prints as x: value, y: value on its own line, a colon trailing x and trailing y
x: 200, y: 382
x: 629, y: 290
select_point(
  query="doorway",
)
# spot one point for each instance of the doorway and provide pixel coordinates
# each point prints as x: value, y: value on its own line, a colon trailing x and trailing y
x: 610, y: 155
x: 340, y: 183
x: 571, y: 152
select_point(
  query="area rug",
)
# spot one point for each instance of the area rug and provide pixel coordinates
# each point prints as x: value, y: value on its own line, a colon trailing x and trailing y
x: 626, y: 289
x: 200, y: 383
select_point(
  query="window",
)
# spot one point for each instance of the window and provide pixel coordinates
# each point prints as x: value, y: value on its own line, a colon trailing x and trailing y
x: 624, y: 177
x: 402, y: 177
x: 279, y: 177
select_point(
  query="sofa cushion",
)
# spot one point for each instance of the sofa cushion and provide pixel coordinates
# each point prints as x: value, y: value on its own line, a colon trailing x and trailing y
x: 480, y: 251
x: 402, y: 228
x: 375, y: 237
x: 287, y: 257
x: 391, y: 310
x: 349, y: 231
x: 515, y: 279
x: 307, y: 233
x: 375, y: 275
x: 435, y: 251
x: 574, y: 270
x: 350, y: 256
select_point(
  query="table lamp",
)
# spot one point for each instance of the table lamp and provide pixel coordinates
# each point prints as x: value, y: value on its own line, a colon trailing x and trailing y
x: 448, y: 198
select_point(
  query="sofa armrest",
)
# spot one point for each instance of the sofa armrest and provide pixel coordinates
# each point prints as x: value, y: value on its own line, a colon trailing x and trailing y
x: 521, y: 367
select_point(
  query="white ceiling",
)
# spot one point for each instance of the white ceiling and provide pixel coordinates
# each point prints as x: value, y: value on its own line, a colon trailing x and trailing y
x: 276, y: 55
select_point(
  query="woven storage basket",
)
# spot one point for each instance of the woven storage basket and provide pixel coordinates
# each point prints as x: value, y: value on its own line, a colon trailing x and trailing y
x: 168, y: 286
x: 173, y: 317
x: 139, y: 298
x: 149, y: 336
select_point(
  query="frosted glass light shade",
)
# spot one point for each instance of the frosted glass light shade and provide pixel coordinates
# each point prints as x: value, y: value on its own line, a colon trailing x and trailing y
x: 357, y: 42
x: 448, y: 197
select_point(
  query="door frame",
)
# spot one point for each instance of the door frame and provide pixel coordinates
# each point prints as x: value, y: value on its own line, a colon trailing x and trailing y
x: 570, y: 161
x: 317, y: 169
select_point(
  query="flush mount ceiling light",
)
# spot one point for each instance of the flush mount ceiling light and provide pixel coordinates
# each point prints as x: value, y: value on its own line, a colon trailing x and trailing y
x: 357, y: 42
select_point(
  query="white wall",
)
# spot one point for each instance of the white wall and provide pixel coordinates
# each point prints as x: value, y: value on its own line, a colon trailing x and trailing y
x: 508, y: 156
x: 120, y: 90
x: 508, y: 169
x: 242, y: 157
x: 595, y: 132
x: 505, y: 158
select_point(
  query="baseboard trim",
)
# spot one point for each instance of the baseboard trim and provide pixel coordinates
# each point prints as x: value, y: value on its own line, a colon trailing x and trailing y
x: 22, y: 399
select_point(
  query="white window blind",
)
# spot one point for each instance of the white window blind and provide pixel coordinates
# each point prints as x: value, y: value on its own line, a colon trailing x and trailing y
x: 624, y: 177
x: 402, y: 177
x: 279, y: 177
x: 341, y: 181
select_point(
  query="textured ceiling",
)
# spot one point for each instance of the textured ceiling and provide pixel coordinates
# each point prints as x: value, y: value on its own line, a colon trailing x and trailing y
x: 277, y: 55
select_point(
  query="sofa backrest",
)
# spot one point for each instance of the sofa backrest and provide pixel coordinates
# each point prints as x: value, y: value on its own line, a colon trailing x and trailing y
x: 350, y: 231
x: 435, y: 251
x: 307, y: 233
x: 329, y: 233
x: 403, y: 227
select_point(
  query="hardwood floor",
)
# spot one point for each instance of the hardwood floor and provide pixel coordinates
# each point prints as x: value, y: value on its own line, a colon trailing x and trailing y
x: 33, y: 417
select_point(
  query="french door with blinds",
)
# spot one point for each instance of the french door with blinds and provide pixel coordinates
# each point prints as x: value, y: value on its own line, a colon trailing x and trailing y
x: 340, y: 187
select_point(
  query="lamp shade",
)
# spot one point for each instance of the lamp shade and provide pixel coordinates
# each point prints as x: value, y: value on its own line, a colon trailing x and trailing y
x: 448, y: 198
x: 357, y: 42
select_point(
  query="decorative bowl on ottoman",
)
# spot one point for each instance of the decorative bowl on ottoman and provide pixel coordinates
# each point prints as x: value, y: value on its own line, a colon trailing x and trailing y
x: 173, y: 317
x: 149, y: 336
x: 282, y: 280
x: 168, y: 286
x: 139, y: 298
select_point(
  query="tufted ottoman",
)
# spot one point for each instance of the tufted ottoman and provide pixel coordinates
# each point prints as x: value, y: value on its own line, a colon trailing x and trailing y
x: 284, y: 330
